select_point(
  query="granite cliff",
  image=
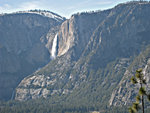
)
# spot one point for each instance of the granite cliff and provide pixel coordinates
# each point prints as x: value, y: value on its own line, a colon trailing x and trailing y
x: 94, y: 53
x: 23, y: 40
x: 87, y: 59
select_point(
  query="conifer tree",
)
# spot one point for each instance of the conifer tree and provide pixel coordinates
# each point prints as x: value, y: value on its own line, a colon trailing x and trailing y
x: 139, y: 79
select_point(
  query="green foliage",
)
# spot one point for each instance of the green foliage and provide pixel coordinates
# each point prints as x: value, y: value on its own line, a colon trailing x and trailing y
x: 133, y: 80
x: 148, y: 96
x: 137, y: 75
x: 131, y: 110
x: 142, y: 91
x: 45, y: 106
x: 144, y: 81
x: 139, y: 79
x: 138, y: 98
x: 139, y: 71
x: 135, y: 107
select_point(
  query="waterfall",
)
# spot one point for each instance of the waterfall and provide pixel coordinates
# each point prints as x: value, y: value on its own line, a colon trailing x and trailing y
x: 13, y: 95
x: 54, y: 47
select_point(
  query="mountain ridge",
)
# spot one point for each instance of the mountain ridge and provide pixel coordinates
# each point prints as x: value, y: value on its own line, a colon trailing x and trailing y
x: 96, y: 54
x: 44, y: 13
x: 23, y: 47
x: 100, y: 64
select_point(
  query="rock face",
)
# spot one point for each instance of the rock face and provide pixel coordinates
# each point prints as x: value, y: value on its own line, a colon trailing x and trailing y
x: 75, y: 33
x: 44, y: 13
x: 40, y: 82
x: 40, y: 86
x: 96, y: 55
x: 68, y: 37
x: 23, y: 40
x: 124, y: 93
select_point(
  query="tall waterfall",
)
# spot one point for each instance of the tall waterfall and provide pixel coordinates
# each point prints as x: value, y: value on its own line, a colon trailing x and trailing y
x: 54, y: 47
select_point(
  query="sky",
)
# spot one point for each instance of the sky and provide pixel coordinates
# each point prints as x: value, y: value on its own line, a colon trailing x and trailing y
x: 64, y: 8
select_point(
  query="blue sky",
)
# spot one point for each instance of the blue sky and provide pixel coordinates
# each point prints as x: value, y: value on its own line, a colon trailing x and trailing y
x: 62, y: 7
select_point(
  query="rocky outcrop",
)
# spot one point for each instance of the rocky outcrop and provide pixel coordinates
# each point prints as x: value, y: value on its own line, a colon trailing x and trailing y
x: 23, y: 46
x: 73, y: 36
x: 37, y: 86
x: 95, y: 52
x: 44, y: 13
x: 125, y: 93
x: 75, y: 33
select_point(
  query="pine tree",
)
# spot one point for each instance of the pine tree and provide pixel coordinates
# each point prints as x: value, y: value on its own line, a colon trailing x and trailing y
x: 139, y: 79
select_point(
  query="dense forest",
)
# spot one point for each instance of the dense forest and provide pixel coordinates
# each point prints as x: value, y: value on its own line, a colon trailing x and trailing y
x: 45, y: 106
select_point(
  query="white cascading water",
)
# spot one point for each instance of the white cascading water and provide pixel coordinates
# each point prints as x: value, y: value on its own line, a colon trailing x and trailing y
x: 54, y: 47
